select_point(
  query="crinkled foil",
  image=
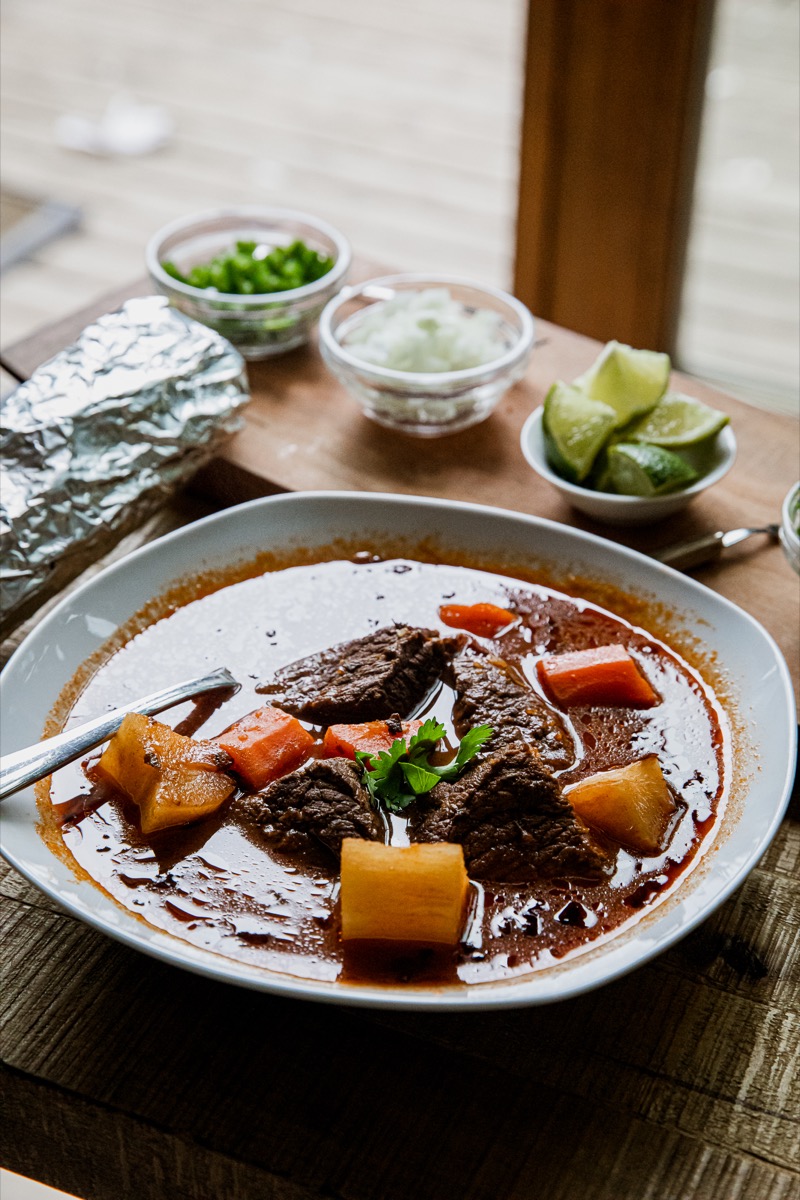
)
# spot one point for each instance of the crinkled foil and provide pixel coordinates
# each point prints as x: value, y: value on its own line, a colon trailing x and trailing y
x: 100, y: 435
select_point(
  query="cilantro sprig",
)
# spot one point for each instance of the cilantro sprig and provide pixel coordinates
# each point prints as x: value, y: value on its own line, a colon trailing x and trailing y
x: 395, y: 777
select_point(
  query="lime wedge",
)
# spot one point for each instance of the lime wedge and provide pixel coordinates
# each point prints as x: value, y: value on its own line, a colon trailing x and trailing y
x: 645, y: 470
x: 575, y: 429
x: 677, y: 421
x: 599, y: 479
x: 629, y: 381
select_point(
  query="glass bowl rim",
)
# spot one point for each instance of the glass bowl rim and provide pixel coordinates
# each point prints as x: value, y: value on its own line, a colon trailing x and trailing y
x: 425, y: 379
x: 787, y: 526
x: 246, y: 212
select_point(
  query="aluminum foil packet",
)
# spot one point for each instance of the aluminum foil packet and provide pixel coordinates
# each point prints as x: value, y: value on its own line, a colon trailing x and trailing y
x: 100, y: 435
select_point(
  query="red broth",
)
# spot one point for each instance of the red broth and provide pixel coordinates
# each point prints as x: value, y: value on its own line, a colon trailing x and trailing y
x: 218, y: 885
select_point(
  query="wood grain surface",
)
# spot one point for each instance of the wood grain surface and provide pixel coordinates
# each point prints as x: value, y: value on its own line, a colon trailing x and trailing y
x: 607, y: 159
x: 124, y: 1077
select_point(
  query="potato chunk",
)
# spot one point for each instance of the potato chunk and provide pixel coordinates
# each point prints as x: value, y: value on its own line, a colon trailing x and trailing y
x: 632, y: 804
x: 403, y: 893
x: 173, y: 779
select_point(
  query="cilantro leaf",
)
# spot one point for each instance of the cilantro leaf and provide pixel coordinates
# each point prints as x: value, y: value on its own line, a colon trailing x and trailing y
x: 395, y: 777
x: 365, y: 762
x: 383, y: 764
x: 399, y: 801
x: 426, y: 739
x: 421, y: 779
x: 471, y: 743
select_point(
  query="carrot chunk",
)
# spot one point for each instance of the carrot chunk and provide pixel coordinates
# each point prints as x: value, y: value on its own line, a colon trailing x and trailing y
x: 484, y: 620
x: 342, y: 741
x: 602, y: 675
x: 266, y: 744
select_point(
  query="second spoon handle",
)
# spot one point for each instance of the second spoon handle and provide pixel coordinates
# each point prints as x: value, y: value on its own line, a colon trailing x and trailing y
x: 709, y: 547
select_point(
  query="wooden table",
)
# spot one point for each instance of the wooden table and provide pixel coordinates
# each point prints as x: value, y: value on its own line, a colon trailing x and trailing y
x: 129, y: 1078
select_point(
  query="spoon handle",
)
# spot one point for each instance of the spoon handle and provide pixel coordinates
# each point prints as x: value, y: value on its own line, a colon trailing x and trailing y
x: 692, y: 554
x: 22, y: 767
x: 708, y: 548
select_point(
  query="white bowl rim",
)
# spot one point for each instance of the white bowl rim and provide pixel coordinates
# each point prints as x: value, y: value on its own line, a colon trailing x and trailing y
x: 425, y: 379
x: 245, y: 212
x: 506, y: 994
x: 541, y: 466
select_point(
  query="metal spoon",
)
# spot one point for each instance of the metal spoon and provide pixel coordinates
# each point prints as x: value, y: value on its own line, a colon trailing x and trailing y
x: 22, y: 767
x: 708, y: 548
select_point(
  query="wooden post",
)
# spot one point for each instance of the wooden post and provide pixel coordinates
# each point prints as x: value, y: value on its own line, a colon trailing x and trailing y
x: 611, y: 121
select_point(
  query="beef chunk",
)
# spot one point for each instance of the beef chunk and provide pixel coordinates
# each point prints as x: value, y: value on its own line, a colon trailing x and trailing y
x: 389, y: 671
x: 508, y: 813
x: 488, y: 694
x: 324, y: 802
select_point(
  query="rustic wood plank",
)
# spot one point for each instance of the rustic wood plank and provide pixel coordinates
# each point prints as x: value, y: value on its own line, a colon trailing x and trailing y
x: 122, y: 1156
x: 454, y: 190
x: 610, y: 129
x: 618, y: 1094
x: 122, y: 1153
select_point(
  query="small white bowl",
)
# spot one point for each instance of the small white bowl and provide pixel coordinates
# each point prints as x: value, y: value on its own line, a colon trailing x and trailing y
x: 432, y: 403
x: 712, y: 460
x: 789, y: 536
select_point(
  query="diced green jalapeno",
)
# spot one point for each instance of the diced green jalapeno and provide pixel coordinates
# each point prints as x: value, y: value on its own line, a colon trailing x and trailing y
x: 249, y: 270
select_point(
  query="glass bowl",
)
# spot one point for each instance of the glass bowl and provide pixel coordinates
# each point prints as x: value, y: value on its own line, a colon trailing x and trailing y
x: 712, y: 461
x: 426, y: 404
x: 258, y: 325
x: 790, y: 527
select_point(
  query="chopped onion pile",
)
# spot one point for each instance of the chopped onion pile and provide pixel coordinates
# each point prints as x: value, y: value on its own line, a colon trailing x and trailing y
x: 426, y: 331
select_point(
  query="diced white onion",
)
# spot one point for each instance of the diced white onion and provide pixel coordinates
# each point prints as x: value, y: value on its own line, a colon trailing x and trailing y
x: 426, y: 331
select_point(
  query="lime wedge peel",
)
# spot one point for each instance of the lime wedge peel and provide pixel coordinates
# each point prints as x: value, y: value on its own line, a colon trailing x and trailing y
x: 677, y: 421
x: 647, y: 470
x: 627, y: 380
x: 617, y: 430
x: 575, y: 430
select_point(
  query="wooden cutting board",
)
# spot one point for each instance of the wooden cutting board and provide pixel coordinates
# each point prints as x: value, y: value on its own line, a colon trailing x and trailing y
x: 304, y: 432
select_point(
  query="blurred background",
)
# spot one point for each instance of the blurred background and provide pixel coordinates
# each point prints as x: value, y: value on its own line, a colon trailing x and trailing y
x: 397, y: 122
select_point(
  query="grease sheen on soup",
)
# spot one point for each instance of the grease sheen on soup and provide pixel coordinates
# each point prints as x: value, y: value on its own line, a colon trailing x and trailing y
x: 217, y: 883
